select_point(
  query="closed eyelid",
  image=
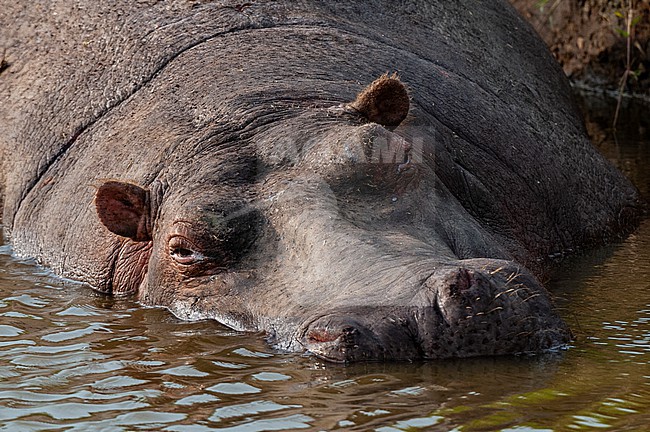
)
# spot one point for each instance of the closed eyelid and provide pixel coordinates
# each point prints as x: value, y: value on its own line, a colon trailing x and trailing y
x: 184, y: 251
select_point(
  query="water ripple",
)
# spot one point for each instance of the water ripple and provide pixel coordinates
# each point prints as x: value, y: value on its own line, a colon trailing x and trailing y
x: 70, y: 410
x: 247, y: 409
x: 184, y: 370
x: 75, y: 334
x: 147, y: 420
x: 234, y: 388
x: 10, y: 331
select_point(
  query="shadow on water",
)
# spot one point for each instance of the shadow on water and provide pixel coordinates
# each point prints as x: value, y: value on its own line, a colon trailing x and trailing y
x: 71, y: 359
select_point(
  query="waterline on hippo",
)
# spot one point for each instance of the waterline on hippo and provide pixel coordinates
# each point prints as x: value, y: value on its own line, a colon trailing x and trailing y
x: 464, y: 309
x: 215, y: 161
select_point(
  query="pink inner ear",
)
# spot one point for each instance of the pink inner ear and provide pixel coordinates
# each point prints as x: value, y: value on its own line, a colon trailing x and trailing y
x: 123, y: 208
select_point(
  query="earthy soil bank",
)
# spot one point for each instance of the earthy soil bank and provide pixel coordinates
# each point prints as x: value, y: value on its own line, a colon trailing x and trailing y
x: 590, y: 38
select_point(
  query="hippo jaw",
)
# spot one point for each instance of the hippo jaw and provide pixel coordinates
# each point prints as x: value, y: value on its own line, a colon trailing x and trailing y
x: 477, y: 309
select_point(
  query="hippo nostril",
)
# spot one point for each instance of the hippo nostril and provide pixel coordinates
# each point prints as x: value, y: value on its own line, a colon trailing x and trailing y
x: 364, y: 335
x: 341, y: 339
x: 461, y: 281
x: 345, y: 335
x: 321, y: 336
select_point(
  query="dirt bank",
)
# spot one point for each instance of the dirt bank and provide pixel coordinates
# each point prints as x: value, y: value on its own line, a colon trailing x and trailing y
x: 590, y: 39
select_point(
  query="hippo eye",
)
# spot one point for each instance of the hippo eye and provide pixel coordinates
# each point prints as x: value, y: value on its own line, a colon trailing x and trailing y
x: 183, y: 251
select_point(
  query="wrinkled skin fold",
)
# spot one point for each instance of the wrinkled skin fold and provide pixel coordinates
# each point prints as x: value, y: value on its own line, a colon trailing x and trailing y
x: 254, y: 163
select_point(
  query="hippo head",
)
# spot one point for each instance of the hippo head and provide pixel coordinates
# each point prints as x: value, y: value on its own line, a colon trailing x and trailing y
x: 336, y: 230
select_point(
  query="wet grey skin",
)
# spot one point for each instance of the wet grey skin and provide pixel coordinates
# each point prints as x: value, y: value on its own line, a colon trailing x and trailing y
x: 263, y: 165
x: 458, y: 313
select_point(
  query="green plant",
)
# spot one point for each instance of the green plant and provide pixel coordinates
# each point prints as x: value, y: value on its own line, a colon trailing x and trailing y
x: 630, y: 22
x: 546, y: 15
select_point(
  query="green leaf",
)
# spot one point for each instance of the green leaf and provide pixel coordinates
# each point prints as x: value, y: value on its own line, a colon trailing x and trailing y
x: 636, y: 20
x: 619, y: 14
x: 622, y: 33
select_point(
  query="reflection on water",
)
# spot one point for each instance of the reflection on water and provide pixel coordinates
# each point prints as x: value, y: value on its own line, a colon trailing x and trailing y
x: 74, y: 360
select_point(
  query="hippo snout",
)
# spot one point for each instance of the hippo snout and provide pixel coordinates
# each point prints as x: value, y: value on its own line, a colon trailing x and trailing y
x: 487, y: 307
x: 343, y: 339
x: 475, y: 309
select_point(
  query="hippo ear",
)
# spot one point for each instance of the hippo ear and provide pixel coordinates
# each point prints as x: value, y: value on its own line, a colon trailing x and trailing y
x: 124, y: 209
x: 385, y: 101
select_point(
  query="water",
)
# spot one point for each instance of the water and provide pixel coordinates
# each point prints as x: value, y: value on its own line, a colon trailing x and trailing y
x: 73, y: 360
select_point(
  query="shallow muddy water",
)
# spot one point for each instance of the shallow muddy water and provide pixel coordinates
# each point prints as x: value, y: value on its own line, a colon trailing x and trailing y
x: 74, y: 360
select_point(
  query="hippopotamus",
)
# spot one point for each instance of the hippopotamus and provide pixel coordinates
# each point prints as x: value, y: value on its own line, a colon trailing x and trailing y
x: 361, y: 180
